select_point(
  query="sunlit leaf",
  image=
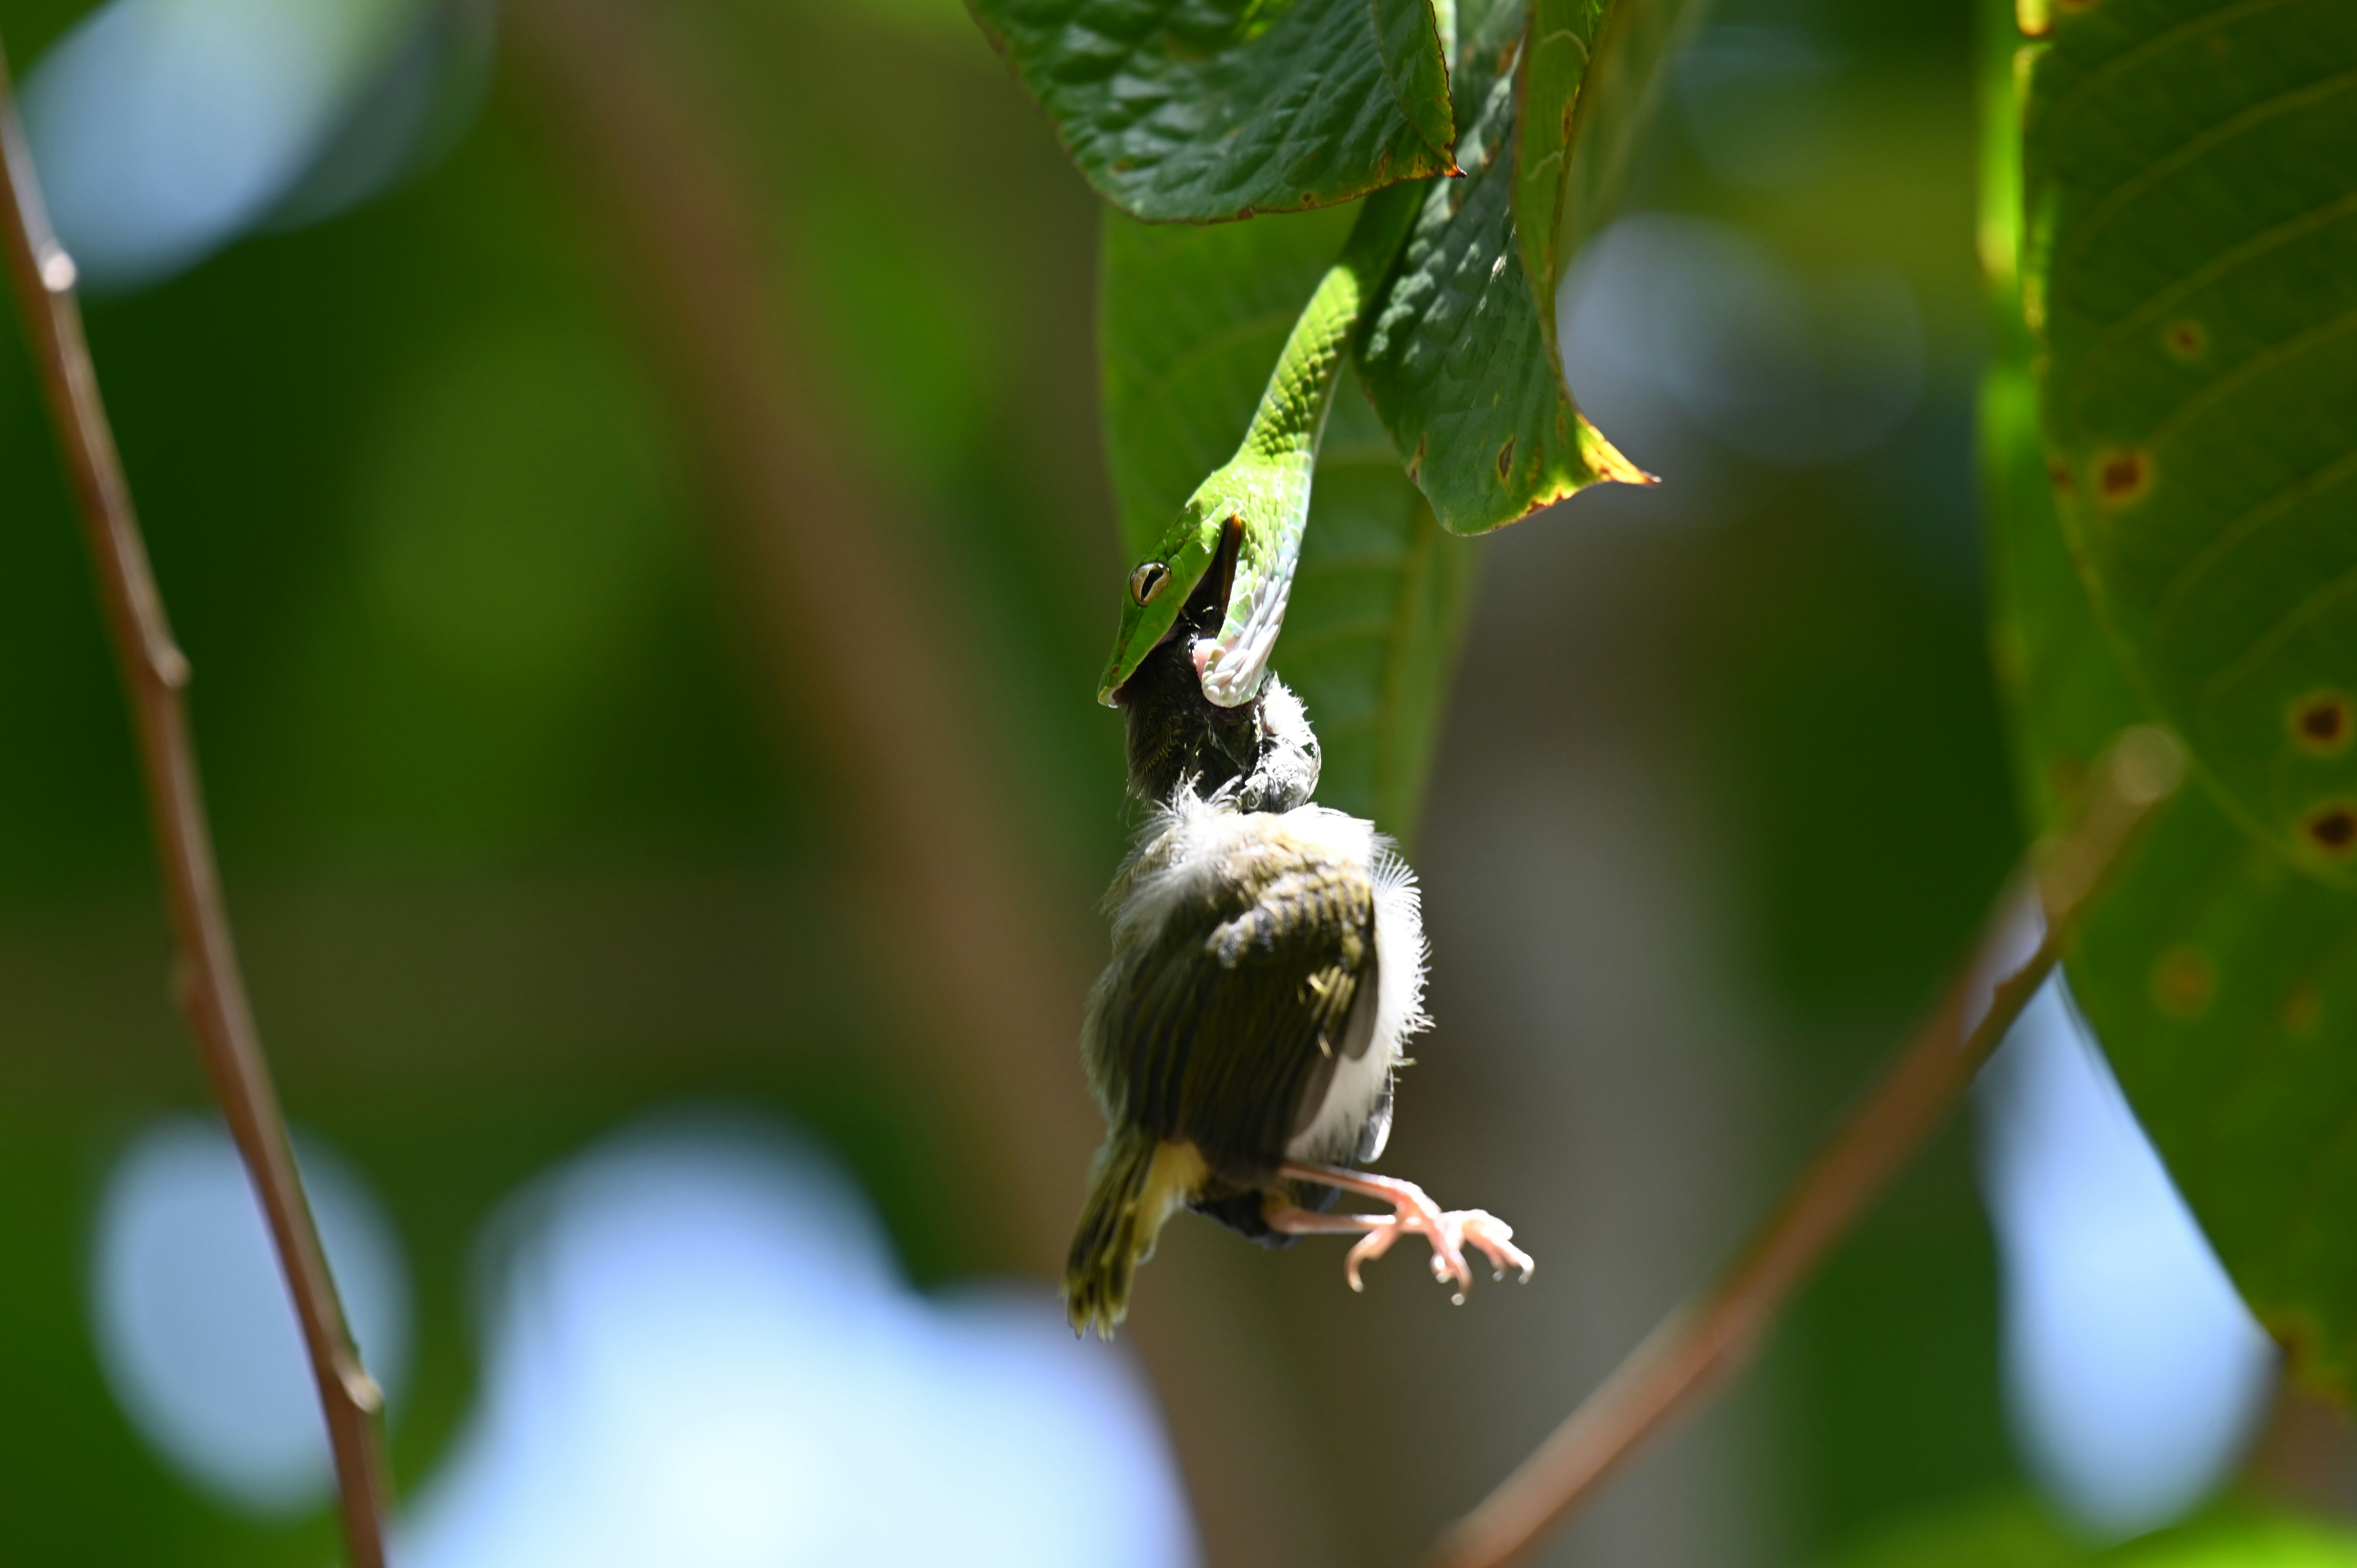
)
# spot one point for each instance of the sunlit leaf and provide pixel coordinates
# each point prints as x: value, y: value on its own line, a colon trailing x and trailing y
x: 1456, y: 357
x: 2190, y: 169
x: 1193, y: 320
x: 1202, y: 109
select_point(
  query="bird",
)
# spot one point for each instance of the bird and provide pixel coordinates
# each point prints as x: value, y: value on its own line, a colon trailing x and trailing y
x: 1267, y: 969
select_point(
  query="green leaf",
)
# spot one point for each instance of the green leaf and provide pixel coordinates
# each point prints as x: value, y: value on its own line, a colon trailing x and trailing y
x: 2190, y: 169
x: 1555, y: 62
x: 2012, y: 1530
x: 1456, y: 357
x: 2239, y: 1539
x: 2015, y: 1531
x: 1192, y: 321
x: 2063, y: 681
x: 1591, y: 78
x: 2221, y: 982
x: 1378, y: 612
x: 1201, y: 110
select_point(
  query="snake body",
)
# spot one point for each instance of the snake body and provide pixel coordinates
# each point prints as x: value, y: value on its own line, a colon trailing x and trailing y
x: 1258, y: 502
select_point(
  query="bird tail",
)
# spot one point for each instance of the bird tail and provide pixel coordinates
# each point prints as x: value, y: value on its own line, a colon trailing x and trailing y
x: 1135, y: 1182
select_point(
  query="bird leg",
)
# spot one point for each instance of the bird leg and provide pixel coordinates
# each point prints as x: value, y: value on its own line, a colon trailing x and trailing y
x: 1449, y: 1232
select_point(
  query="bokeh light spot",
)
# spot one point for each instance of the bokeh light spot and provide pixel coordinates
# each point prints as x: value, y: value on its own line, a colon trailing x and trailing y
x: 194, y: 1327
x: 163, y: 129
x: 2135, y: 1377
x: 1689, y: 323
x: 699, y: 1355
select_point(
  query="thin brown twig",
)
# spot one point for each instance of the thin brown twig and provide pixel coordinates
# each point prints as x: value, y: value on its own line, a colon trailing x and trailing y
x: 1703, y: 1342
x: 212, y: 993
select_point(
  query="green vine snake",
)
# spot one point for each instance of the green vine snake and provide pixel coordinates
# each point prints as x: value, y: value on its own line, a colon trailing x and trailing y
x: 1262, y: 494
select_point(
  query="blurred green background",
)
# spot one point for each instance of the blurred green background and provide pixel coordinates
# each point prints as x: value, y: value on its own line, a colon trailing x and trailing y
x: 527, y: 834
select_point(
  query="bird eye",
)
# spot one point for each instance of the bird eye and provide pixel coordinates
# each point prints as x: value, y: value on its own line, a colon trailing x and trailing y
x: 1148, y: 581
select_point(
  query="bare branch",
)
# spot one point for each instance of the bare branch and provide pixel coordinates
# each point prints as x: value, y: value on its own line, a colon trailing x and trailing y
x: 1705, y: 1341
x: 212, y: 993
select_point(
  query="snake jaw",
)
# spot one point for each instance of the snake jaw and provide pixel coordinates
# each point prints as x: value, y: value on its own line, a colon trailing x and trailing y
x: 1234, y: 664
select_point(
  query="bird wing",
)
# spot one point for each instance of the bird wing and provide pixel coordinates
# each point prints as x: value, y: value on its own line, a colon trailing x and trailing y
x: 1224, y: 1024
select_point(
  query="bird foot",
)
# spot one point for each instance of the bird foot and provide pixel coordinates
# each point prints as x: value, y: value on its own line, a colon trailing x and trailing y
x: 1449, y: 1231
x: 1452, y: 1232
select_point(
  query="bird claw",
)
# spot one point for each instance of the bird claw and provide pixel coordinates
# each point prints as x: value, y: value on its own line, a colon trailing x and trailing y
x: 1450, y: 1233
x: 1494, y: 1239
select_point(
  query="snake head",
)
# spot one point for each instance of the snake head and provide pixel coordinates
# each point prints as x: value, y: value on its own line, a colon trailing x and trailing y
x: 1160, y: 588
x: 1221, y: 575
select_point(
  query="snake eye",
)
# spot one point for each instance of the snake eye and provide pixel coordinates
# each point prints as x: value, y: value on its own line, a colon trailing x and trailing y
x: 1148, y: 581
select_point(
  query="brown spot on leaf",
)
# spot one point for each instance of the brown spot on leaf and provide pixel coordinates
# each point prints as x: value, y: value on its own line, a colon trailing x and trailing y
x: 2320, y: 723
x: 2218, y: 45
x: 2123, y: 477
x: 2301, y: 1008
x: 1422, y: 446
x: 2183, y: 980
x: 2057, y: 474
x: 2333, y: 828
x: 2184, y: 339
x: 1506, y: 462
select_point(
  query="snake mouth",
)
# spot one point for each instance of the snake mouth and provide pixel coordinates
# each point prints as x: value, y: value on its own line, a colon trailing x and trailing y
x: 1205, y: 609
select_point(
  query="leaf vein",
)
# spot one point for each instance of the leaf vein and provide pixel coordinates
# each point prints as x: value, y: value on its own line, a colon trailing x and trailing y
x: 2270, y: 358
x: 2108, y: 206
x: 2236, y: 533
x: 2218, y: 266
x: 2285, y: 629
x: 2128, y: 59
x: 1154, y: 388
